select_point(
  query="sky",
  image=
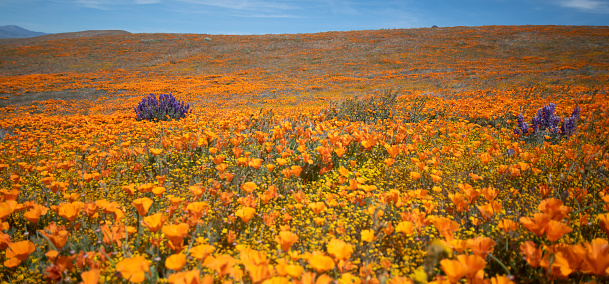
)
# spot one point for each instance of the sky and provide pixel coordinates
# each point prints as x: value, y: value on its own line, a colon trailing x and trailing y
x: 291, y: 16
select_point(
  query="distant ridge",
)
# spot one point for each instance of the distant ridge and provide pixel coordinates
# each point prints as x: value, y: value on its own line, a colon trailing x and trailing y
x: 91, y: 33
x: 12, y: 31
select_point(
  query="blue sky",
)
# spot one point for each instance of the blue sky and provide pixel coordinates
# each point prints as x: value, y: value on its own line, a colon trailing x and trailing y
x: 291, y: 16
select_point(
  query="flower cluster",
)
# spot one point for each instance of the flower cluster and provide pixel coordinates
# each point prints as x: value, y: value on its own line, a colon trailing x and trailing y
x: 167, y: 107
x: 546, y: 121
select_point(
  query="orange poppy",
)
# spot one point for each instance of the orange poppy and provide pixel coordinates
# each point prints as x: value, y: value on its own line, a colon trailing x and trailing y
x: 90, y: 277
x: 537, y: 225
x: 481, y: 246
x: 249, y: 187
x: 20, y: 250
x: 201, y: 251
x: 286, y: 239
x: 176, y: 261
x: 57, y: 236
x: 415, y: 175
x: 319, y: 261
x: 405, y: 228
x: 154, y: 222
x: 317, y: 207
x: 531, y: 253
x: 70, y: 210
x: 176, y: 234
x: 134, y: 268
x: 555, y: 230
x: 339, y: 249
x: 245, y: 213
x: 142, y: 205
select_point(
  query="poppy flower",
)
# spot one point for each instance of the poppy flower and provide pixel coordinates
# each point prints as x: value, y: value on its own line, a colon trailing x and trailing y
x: 555, y: 230
x: 319, y: 262
x: 176, y: 233
x: 249, y: 187
x: 286, y: 239
x: 531, y: 253
x: 176, y: 261
x: 90, y: 277
x: 189, y: 277
x: 57, y: 237
x: 317, y: 207
x: 70, y: 210
x: 339, y: 249
x: 142, y: 205
x: 245, y: 213
x: 20, y: 250
x: 222, y: 264
x: 154, y: 222
x: 133, y: 269
x: 201, y: 251
x: 537, y: 225
x: 481, y: 246
x: 405, y: 228
x: 415, y: 175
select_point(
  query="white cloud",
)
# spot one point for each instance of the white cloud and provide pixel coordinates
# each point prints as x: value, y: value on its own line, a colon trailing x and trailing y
x: 592, y: 6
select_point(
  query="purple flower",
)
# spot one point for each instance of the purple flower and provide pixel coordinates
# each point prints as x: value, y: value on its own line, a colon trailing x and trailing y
x: 166, y: 107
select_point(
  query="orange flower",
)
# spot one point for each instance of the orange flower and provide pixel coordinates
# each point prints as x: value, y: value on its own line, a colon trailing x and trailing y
x: 189, y: 277
x: 508, y: 225
x: 446, y: 227
x: 245, y: 213
x: 453, y: 269
x: 555, y: 230
x: 20, y: 250
x: 201, y: 251
x: 133, y: 269
x: 531, y: 253
x: 339, y: 249
x: 57, y: 235
x: 405, y: 228
x: 286, y: 239
x: 222, y: 264
x: 474, y: 264
x: 158, y: 190
x: 175, y: 261
x: 154, y: 222
x: 90, y: 277
x: 317, y: 207
x: 537, y: 225
x: 70, y: 210
x: 142, y: 205
x: 5, y: 240
x: 176, y: 233
x: 481, y: 246
x: 415, y: 175
x: 595, y: 257
x: 319, y: 261
x: 554, y: 208
x: 249, y: 187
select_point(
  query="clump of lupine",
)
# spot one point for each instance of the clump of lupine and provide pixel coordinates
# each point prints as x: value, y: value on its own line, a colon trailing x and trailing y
x: 546, y: 122
x: 167, y: 107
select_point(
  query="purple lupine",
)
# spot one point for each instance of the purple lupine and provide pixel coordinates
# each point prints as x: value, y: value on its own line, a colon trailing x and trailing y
x: 569, y: 126
x: 522, y: 127
x: 166, y: 107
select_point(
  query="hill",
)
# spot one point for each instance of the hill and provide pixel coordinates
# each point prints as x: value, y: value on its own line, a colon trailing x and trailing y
x: 71, y: 35
x: 12, y: 31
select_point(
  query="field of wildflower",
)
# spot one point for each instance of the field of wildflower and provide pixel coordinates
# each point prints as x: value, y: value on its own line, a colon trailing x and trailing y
x: 432, y: 155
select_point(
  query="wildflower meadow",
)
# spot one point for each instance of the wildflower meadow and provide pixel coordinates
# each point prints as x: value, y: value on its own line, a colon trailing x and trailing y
x: 445, y: 155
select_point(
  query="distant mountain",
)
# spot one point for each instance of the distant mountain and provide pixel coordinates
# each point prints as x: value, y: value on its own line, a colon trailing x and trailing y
x: 12, y: 31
